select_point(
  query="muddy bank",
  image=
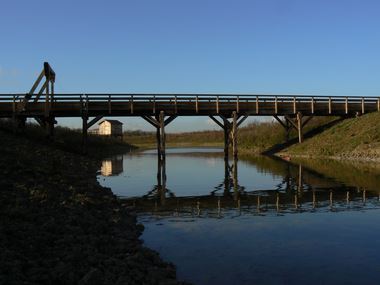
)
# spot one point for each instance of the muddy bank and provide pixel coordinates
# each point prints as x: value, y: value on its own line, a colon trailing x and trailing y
x: 59, y: 226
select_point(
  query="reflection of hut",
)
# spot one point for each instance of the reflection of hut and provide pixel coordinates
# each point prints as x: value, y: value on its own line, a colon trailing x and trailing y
x: 111, y: 128
x: 112, y: 166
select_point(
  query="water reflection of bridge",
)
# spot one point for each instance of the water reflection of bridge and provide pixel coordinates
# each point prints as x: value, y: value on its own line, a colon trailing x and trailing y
x: 301, y: 190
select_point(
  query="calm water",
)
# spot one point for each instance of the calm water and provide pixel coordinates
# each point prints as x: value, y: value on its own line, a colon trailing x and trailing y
x: 256, y: 220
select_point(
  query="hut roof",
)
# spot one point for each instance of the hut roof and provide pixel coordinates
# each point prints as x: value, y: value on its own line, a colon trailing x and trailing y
x: 113, y: 122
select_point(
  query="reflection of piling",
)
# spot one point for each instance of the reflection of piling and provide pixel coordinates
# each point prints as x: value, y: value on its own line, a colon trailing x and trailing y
x: 161, y: 180
x: 300, y: 179
x: 226, y: 176
x: 235, y: 178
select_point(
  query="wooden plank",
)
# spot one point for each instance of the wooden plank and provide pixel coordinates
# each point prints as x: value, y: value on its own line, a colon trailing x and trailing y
x: 93, y: 121
x: 169, y: 120
x: 151, y: 121
x: 281, y: 122
x: 217, y: 122
x: 241, y: 120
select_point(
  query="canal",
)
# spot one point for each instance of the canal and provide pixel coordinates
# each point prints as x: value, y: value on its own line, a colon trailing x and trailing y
x: 258, y: 220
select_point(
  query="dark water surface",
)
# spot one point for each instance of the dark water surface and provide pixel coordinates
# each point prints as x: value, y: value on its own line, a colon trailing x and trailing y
x: 254, y: 221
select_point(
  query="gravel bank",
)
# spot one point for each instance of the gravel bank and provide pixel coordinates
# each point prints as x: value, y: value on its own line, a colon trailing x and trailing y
x: 59, y: 226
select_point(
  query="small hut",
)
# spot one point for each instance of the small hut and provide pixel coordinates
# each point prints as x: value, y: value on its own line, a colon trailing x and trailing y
x: 112, y: 128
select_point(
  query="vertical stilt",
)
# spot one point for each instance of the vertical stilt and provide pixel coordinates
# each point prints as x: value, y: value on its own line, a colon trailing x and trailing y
x: 226, y: 141
x: 162, y: 134
x: 299, y: 127
x: 50, y: 127
x: 158, y: 139
x: 287, y: 130
x: 84, y: 134
x: 234, y: 135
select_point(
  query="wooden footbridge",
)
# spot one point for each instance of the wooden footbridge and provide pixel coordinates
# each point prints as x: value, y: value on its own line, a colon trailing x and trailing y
x: 227, y: 110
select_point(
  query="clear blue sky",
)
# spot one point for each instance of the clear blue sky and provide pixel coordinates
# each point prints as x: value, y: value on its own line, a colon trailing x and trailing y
x: 267, y: 46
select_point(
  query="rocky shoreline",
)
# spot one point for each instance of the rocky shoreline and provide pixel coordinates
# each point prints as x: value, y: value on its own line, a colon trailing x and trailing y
x: 59, y: 226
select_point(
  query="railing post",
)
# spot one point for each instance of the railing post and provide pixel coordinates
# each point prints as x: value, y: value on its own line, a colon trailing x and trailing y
x: 312, y: 105
x: 237, y: 104
x: 363, y: 110
x: 196, y: 104
x: 346, y: 106
x: 131, y: 104
x: 154, y: 104
x: 175, y: 104
x: 257, y: 104
x: 294, y: 105
x: 275, y: 105
x: 330, y: 107
x: 217, y: 104
x: 109, y: 104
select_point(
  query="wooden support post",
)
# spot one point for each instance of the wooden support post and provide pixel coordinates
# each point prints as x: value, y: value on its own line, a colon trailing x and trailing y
x: 226, y: 141
x: 294, y: 105
x: 84, y: 133
x: 234, y: 134
x: 158, y: 139
x: 312, y: 105
x: 197, y: 104
x: 287, y: 130
x: 162, y: 134
x: 237, y: 104
x: 378, y: 104
x: 217, y: 104
x: 299, y: 127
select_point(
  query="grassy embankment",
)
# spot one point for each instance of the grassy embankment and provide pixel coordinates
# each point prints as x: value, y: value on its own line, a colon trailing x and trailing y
x: 356, y: 138
x: 70, y: 140
x: 252, y: 139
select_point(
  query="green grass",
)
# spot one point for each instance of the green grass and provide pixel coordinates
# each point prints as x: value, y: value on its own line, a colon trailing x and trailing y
x: 71, y: 140
x: 254, y: 138
x: 355, y: 138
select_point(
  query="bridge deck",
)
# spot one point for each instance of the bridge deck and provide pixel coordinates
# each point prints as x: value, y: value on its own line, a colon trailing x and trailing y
x: 73, y: 105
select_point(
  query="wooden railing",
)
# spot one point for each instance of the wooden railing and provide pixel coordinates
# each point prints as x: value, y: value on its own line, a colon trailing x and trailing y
x: 215, y: 100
